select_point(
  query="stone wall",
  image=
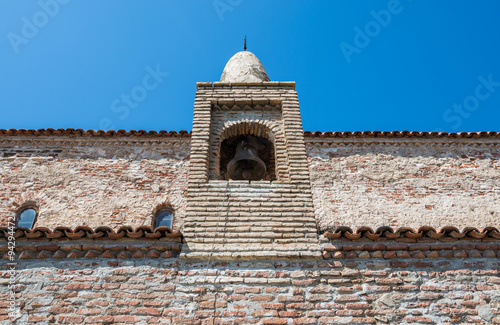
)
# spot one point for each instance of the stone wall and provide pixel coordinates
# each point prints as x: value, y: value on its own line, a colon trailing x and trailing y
x: 237, y: 218
x: 405, y: 182
x: 367, y: 289
x: 94, y: 181
x: 398, y: 182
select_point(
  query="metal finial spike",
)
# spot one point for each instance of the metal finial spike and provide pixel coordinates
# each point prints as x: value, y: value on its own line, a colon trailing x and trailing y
x: 245, y: 44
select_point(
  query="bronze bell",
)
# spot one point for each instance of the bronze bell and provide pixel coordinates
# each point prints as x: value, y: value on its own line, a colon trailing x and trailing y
x: 246, y: 163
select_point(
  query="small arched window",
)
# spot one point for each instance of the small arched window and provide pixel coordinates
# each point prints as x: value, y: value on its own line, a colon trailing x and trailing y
x: 26, y: 218
x: 164, y: 218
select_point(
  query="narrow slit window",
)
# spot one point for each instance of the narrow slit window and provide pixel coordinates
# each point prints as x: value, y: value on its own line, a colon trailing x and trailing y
x: 164, y: 218
x: 27, y: 218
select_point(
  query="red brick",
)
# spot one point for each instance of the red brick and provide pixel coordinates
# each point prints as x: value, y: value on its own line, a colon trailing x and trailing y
x: 131, y: 286
x: 309, y: 282
x: 97, y: 303
x: 188, y: 321
x: 290, y: 298
x: 300, y: 306
x: 111, y: 286
x: 75, y: 254
x: 118, y: 311
x: 417, y: 254
x: 432, y: 254
x: 148, y: 311
x: 403, y: 254
x: 471, y: 303
x: 430, y: 296
x: 374, y: 247
x: 65, y: 295
x: 78, y: 286
x: 262, y: 298
x: 357, y: 305
x: 388, y: 281
x: 48, y: 247
x: 320, y: 289
x: 274, y: 321
x: 276, y: 290
x: 363, y: 320
x: 89, y: 311
x: 99, y: 319
x: 330, y: 264
x: 423, y: 264
x: 419, y: 319
x: 400, y: 264
x: 125, y: 319
x: 439, y: 247
x: 418, y: 247
x: 346, y: 298
x: 265, y: 313
x: 70, y: 319
x: 349, y: 312
x: 61, y: 310
x: 318, y: 297
x: 291, y: 314
x: 247, y: 290
x: 128, y: 302
x: 494, y: 280
x: 51, y: 288
x: 213, y: 304
x: 272, y: 306
x: 396, y: 247
x: 353, y: 247
x: 389, y: 255
x: 350, y: 254
x: 298, y: 321
x: 237, y: 297
x: 108, y: 254
x: 485, y: 247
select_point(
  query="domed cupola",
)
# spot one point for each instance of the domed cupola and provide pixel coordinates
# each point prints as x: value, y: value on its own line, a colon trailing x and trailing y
x: 244, y: 66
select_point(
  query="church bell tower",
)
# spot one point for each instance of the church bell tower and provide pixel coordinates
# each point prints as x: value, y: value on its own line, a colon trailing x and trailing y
x: 249, y: 194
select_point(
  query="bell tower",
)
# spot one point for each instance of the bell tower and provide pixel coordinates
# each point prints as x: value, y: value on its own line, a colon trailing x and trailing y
x: 249, y: 194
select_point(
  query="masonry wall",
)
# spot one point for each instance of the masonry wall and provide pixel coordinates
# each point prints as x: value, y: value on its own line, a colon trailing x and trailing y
x: 93, y: 181
x: 398, y: 182
x: 234, y: 219
x: 405, y: 182
x: 332, y: 291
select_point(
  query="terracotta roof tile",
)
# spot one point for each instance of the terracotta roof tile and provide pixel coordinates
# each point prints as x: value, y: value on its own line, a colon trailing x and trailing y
x: 490, y: 233
x: 400, y: 134
x: 315, y: 134
x: 100, y: 133
x: 85, y: 232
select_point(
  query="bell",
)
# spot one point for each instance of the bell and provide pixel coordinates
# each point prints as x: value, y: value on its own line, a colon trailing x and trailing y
x: 246, y: 163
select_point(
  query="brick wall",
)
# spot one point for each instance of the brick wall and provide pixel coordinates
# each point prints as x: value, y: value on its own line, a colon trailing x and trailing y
x: 344, y: 289
x: 405, y: 182
x: 93, y: 181
x: 257, y: 219
x: 355, y: 182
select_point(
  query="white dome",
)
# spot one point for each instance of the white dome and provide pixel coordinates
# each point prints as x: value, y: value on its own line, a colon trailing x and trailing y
x: 244, y: 66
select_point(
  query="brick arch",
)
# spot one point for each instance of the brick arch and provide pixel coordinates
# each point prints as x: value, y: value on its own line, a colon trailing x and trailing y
x: 26, y: 199
x: 259, y: 128
x: 167, y: 202
x: 165, y: 205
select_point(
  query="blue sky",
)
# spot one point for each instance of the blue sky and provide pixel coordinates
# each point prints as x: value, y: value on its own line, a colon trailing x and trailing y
x: 359, y: 65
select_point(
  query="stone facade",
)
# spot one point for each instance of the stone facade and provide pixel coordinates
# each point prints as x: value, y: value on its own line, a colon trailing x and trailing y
x: 342, y: 228
x: 405, y: 182
x: 139, y: 281
x: 270, y: 218
x: 94, y: 180
x: 356, y: 181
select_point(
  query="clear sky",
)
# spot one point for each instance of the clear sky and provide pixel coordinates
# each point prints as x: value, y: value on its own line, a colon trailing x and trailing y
x: 359, y: 65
